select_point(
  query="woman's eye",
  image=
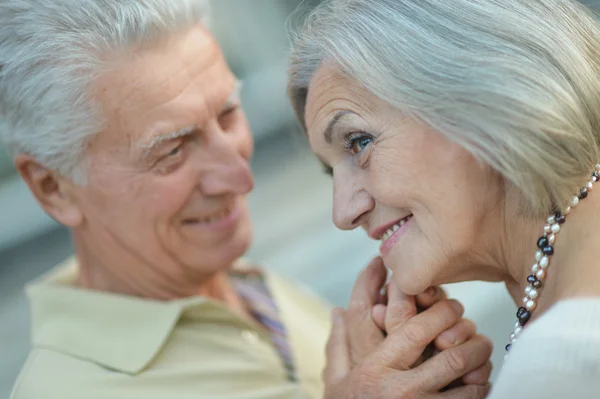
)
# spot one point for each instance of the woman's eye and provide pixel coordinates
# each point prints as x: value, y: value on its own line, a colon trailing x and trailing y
x: 360, y: 143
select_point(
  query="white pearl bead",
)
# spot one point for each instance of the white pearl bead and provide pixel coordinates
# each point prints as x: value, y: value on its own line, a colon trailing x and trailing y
x: 528, y: 289
x: 551, y: 239
x: 512, y: 341
x: 575, y: 201
x: 535, y: 268
x: 547, y: 229
x: 518, y: 330
x: 541, y: 274
x: 594, y: 179
x: 517, y: 325
x: 598, y: 167
x: 589, y: 186
x: 555, y: 228
x: 506, y: 357
x: 551, y: 219
x: 544, y: 262
x: 538, y: 255
x: 533, y: 294
x: 525, y: 300
x: 567, y: 211
x: 512, y: 336
x: 530, y: 305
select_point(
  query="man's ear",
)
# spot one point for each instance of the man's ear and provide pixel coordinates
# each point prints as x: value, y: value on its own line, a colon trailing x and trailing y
x: 53, y: 191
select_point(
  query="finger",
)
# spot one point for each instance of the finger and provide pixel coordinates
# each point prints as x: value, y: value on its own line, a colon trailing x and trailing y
x: 378, y: 314
x: 453, y: 363
x: 382, y: 296
x: 403, y: 346
x: 466, y: 392
x: 363, y: 334
x: 400, y: 308
x: 338, y: 359
x: 429, y: 297
x: 481, y: 376
x: 458, y: 334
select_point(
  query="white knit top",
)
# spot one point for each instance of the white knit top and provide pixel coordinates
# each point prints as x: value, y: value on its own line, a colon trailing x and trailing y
x: 556, y: 356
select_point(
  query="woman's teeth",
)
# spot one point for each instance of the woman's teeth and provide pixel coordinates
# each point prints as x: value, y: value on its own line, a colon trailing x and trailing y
x: 395, y: 228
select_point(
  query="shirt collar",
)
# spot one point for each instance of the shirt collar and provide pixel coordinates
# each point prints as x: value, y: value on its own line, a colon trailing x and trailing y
x: 116, y: 331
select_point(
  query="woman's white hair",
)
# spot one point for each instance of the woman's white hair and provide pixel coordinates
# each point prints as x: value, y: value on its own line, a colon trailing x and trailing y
x: 515, y: 82
x: 50, y: 51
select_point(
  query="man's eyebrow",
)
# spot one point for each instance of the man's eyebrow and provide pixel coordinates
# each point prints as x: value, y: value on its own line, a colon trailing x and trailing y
x: 186, y: 131
x: 336, y: 118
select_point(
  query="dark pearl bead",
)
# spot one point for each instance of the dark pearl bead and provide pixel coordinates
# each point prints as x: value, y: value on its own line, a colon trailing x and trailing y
x: 537, y: 284
x: 520, y: 311
x: 507, y: 347
x: 596, y: 175
x: 531, y: 279
x: 524, y: 318
x: 542, y: 242
x: 548, y: 250
x: 560, y: 219
x: 583, y: 194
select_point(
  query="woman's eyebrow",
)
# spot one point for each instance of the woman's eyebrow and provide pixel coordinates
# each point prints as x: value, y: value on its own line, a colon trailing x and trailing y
x: 336, y: 118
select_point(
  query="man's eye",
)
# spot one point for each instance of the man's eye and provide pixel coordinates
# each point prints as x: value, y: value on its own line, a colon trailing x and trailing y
x: 174, y: 151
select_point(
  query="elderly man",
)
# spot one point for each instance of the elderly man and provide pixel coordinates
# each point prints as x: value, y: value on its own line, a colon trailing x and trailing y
x: 124, y: 120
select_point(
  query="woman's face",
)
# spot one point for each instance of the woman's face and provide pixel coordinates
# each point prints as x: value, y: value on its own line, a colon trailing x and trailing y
x: 428, y: 201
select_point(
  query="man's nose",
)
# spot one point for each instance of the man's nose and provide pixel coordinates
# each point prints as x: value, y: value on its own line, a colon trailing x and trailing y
x: 351, y: 203
x: 229, y: 171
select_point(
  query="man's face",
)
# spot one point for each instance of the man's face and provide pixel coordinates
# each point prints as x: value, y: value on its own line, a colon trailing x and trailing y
x: 168, y: 177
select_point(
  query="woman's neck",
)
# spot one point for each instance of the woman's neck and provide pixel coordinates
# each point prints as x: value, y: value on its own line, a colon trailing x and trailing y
x: 574, y: 269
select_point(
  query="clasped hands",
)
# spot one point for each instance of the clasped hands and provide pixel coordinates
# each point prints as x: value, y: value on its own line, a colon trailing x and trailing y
x: 397, y: 346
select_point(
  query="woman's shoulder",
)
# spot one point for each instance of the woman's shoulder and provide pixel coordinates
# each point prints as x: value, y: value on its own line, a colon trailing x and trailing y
x: 557, y: 355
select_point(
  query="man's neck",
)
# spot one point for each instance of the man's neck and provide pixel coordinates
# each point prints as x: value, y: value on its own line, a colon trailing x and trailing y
x: 120, y: 273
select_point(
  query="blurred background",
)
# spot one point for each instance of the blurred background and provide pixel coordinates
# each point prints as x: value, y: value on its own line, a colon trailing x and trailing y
x: 291, y: 204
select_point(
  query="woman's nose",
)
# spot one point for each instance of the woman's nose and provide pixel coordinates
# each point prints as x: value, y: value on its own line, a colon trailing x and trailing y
x: 351, y: 204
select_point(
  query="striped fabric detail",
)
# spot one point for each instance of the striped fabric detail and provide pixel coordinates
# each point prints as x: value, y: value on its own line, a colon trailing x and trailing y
x: 255, y: 292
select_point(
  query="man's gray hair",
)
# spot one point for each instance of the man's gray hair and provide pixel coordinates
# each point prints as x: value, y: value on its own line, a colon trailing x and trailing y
x: 514, y: 82
x: 51, y: 50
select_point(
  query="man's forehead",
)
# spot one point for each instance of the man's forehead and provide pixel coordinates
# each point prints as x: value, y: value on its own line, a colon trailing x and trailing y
x: 157, y: 84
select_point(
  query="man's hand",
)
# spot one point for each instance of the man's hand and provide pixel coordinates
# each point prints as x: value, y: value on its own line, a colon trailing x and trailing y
x: 364, y: 363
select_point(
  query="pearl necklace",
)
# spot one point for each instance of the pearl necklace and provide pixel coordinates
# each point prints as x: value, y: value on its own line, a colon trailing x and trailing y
x: 542, y: 259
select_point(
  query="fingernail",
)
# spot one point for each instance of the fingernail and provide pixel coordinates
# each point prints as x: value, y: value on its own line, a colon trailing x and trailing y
x: 449, y: 336
x: 457, y: 306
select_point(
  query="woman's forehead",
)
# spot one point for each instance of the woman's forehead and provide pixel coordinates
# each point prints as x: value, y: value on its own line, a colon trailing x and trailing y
x: 329, y: 91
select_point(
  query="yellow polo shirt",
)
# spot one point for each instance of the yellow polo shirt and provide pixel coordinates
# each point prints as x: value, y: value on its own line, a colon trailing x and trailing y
x: 95, y: 345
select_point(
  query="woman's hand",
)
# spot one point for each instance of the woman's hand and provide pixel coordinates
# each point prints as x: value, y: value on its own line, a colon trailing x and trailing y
x: 458, y: 334
x: 364, y: 363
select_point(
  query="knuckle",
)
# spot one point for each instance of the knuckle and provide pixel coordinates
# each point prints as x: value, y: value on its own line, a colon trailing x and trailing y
x: 457, y: 360
x: 416, y: 334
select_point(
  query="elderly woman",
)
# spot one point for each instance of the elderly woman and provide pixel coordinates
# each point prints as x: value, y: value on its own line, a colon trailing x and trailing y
x: 465, y: 136
x: 124, y: 120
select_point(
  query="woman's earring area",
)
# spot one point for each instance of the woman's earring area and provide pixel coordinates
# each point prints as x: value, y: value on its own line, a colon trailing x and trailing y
x: 543, y: 255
